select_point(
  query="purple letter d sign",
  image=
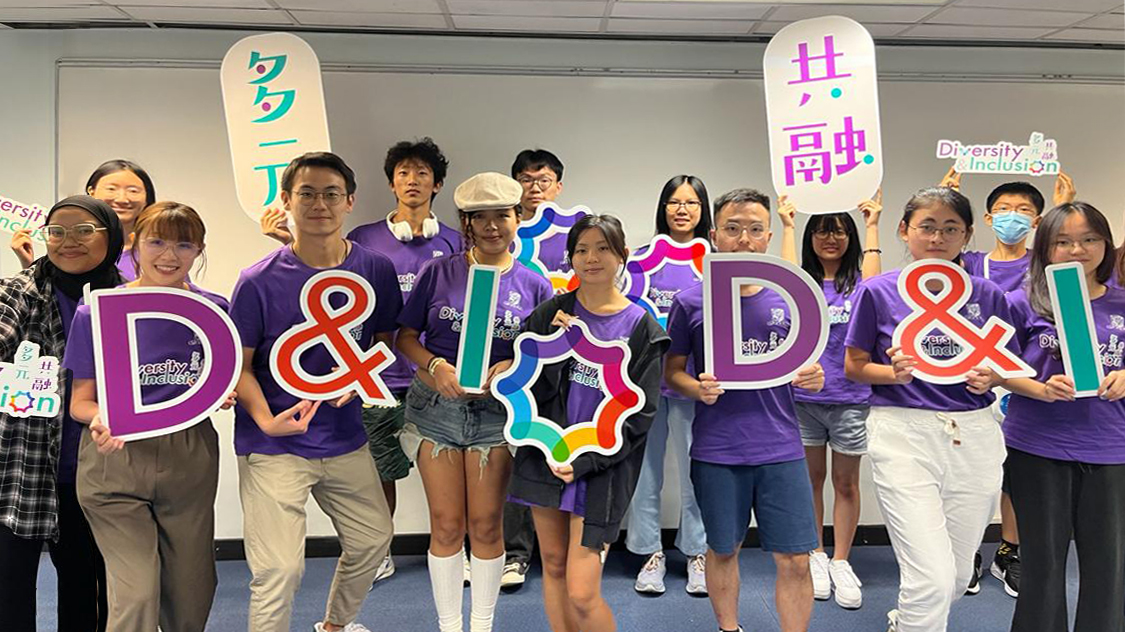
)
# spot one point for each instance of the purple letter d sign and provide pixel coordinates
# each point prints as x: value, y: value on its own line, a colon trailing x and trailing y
x: 115, y: 314
x: 723, y: 276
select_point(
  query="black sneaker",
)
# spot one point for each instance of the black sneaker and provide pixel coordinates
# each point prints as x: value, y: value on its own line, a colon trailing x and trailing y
x: 974, y: 582
x: 1006, y: 568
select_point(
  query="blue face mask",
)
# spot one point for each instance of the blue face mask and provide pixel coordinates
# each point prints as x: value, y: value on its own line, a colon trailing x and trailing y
x: 1011, y: 228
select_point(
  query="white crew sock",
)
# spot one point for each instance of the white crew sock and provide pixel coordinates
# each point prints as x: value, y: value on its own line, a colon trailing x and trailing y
x: 447, y: 579
x: 484, y: 589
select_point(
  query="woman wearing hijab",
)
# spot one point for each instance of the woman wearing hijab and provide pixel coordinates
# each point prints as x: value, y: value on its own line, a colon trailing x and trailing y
x: 38, y: 502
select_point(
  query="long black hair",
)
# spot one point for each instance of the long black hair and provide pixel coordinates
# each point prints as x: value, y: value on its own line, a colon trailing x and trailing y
x: 1038, y: 294
x: 703, y: 228
x: 851, y: 263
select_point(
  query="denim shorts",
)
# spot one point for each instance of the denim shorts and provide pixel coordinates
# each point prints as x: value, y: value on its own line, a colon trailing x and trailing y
x: 778, y: 494
x: 842, y: 426
x: 451, y: 424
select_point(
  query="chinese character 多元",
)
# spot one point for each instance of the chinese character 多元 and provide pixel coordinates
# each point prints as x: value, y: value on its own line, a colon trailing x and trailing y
x: 258, y: 61
x: 271, y: 173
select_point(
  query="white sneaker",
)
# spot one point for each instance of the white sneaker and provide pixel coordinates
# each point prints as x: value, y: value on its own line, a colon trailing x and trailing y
x: 386, y: 569
x: 892, y: 621
x: 847, y: 585
x: 651, y: 577
x: 351, y: 627
x: 818, y: 568
x: 697, y: 575
x: 468, y: 567
x: 515, y: 573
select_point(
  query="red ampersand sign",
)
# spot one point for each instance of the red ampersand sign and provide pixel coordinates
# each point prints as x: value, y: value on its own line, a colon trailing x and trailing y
x: 980, y: 346
x: 329, y: 327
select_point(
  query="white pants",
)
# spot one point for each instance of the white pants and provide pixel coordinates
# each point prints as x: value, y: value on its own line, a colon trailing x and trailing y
x: 937, y: 477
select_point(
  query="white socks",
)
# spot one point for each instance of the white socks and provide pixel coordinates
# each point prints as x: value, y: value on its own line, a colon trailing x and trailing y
x: 447, y: 579
x: 485, y: 590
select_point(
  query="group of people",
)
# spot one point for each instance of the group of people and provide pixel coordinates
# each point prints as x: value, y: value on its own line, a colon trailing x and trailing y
x: 130, y: 527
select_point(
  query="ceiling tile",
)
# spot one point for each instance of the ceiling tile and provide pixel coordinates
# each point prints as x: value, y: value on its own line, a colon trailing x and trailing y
x: 371, y: 6
x: 1089, y: 35
x: 31, y: 4
x: 1006, y: 17
x: 982, y: 33
x: 520, y: 23
x: 1107, y: 21
x: 876, y: 30
x: 680, y: 27
x: 1089, y: 6
x: 357, y: 19
x: 56, y: 14
x: 689, y: 10
x: 557, y: 8
x: 859, y: 13
x: 232, y: 4
x: 208, y: 15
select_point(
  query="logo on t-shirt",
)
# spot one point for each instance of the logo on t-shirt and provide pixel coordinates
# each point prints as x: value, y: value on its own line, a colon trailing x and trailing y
x: 438, y: 253
x: 840, y: 314
x: 753, y: 346
x: 777, y: 316
x: 1117, y: 321
x: 513, y: 299
x: 1113, y: 352
x: 584, y: 374
x: 662, y: 299
x: 972, y: 312
x: 406, y: 282
x: 170, y: 372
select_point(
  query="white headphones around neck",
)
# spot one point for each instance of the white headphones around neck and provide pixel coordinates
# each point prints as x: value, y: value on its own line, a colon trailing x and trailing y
x: 403, y: 232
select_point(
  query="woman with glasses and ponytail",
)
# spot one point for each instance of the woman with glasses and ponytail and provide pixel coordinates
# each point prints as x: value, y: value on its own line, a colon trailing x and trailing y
x: 936, y: 449
x: 151, y: 503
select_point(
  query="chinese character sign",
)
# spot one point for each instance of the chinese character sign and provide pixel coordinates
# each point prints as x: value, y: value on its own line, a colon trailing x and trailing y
x: 822, y: 105
x: 274, y: 104
x: 29, y: 384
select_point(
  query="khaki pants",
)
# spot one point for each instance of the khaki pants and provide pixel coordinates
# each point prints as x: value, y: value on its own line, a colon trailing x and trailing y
x: 151, y: 507
x: 274, y: 490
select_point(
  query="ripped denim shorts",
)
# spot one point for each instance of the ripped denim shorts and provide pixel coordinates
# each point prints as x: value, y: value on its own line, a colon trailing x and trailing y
x: 459, y: 424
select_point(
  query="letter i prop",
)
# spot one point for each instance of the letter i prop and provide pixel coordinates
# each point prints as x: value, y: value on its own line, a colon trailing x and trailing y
x: 1070, y: 299
x: 475, y: 347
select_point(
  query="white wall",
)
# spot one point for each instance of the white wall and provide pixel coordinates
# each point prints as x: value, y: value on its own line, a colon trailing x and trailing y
x: 621, y: 133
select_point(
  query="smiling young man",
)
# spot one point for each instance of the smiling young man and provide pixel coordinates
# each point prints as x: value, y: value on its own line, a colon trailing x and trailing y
x: 282, y: 457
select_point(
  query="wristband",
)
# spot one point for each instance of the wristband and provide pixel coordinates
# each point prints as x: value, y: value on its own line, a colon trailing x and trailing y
x: 435, y: 362
x: 874, y: 250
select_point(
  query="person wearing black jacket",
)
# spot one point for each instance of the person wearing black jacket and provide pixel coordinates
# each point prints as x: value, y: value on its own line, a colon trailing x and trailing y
x: 578, y: 507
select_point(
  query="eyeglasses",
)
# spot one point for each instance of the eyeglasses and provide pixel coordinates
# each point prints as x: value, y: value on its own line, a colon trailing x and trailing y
x: 182, y: 249
x: 1087, y: 243
x: 112, y: 190
x: 544, y: 182
x: 1001, y: 209
x: 838, y: 234
x: 82, y: 233
x: 948, y: 232
x: 757, y: 232
x: 691, y: 205
x: 331, y: 198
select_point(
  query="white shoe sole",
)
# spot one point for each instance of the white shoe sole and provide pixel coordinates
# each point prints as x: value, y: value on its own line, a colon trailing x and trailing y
x: 849, y: 605
x: 822, y: 596
x: 999, y: 574
x: 651, y: 589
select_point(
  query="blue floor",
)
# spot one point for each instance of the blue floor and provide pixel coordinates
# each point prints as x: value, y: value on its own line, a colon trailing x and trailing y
x: 403, y: 603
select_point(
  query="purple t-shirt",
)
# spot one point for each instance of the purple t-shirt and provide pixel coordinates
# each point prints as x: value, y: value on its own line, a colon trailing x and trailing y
x: 1008, y: 275
x: 126, y: 267
x: 663, y: 286
x: 436, y: 307
x: 407, y: 258
x: 743, y: 427
x: 552, y: 253
x: 265, y: 304
x: 71, y: 429
x: 877, y: 309
x: 837, y: 388
x: 1089, y: 429
x: 585, y: 392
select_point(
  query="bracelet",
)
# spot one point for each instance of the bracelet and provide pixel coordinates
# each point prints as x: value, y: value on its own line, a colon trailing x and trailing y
x: 435, y: 362
x: 874, y: 250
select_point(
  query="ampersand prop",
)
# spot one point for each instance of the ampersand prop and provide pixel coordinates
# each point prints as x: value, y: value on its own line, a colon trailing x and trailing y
x: 980, y: 346
x: 359, y: 369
